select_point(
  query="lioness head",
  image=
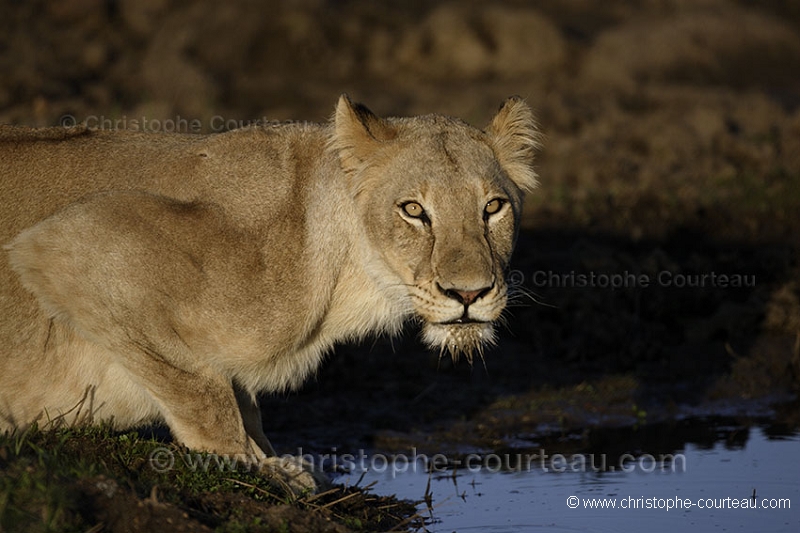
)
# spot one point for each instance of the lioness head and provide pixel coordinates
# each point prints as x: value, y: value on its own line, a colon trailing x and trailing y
x: 441, y: 200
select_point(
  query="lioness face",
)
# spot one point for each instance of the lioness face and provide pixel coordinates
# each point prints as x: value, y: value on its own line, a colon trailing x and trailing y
x: 438, y: 203
x: 445, y: 216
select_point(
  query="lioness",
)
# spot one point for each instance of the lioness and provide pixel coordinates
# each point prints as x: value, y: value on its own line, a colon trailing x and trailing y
x: 174, y: 277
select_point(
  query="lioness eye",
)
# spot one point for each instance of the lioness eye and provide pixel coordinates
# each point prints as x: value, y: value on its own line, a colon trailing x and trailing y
x: 493, y: 206
x: 413, y: 209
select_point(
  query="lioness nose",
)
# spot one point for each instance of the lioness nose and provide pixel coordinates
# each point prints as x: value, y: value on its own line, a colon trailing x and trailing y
x: 463, y: 296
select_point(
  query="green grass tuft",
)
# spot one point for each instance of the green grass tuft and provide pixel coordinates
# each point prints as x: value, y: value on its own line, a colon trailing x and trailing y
x: 93, y: 478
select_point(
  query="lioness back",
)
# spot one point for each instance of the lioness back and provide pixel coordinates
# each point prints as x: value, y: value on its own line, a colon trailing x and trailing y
x: 174, y: 277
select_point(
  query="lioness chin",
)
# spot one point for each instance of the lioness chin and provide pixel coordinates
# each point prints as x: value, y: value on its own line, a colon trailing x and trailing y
x: 174, y: 277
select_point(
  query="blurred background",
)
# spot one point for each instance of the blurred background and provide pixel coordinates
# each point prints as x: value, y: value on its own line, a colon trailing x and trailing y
x: 672, y: 143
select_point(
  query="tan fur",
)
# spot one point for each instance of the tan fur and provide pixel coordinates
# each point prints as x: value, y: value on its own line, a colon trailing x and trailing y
x: 174, y: 277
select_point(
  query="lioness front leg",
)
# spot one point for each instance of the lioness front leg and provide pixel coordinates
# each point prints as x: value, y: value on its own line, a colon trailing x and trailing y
x: 251, y: 416
x: 202, y: 409
x: 294, y: 472
x: 198, y: 404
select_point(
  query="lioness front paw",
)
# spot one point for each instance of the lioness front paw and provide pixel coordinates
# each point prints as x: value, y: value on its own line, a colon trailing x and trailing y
x: 294, y: 475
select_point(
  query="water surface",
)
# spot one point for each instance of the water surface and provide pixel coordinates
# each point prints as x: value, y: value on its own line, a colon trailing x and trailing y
x: 746, y: 480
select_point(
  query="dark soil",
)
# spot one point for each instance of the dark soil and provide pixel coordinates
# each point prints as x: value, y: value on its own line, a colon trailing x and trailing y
x: 672, y: 154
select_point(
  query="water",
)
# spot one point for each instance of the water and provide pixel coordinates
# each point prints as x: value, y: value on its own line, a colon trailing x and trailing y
x: 752, y: 468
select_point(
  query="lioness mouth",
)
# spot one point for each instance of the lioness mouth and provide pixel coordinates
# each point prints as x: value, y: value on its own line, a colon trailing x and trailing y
x: 460, y: 321
x: 463, y: 336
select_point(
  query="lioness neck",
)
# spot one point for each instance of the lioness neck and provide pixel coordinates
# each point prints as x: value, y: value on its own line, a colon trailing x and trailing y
x: 364, y: 296
x: 349, y: 292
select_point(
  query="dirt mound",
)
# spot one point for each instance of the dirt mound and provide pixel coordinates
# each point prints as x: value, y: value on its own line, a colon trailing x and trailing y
x: 721, y: 45
x: 456, y: 42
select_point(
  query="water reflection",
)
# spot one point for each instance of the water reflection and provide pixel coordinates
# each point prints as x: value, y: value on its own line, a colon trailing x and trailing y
x: 735, y: 478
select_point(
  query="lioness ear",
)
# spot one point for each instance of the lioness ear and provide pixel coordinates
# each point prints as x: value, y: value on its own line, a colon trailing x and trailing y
x: 515, y: 140
x: 357, y: 133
